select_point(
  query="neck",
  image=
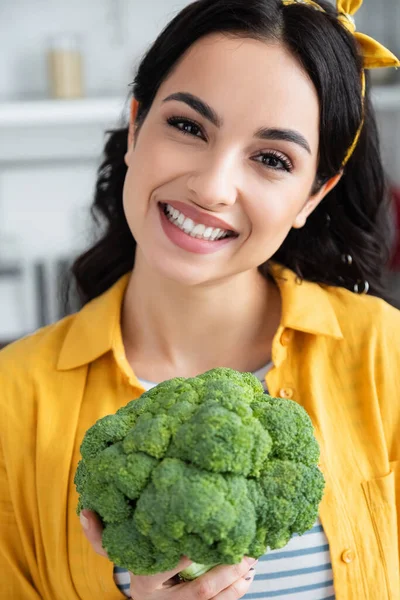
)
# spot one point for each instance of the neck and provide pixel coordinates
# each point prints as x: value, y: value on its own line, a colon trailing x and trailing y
x: 173, y: 330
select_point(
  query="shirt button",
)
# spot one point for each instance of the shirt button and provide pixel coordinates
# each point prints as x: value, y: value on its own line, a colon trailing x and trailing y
x: 286, y: 393
x: 348, y: 556
x: 286, y: 338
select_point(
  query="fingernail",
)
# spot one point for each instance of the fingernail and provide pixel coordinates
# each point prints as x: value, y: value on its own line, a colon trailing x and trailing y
x: 84, y: 521
x: 252, y: 574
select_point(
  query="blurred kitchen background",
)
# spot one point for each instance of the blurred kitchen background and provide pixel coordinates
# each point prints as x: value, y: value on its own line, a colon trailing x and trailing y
x: 65, y: 67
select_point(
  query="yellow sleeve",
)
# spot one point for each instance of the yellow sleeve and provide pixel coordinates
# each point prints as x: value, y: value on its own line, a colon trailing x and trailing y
x: 395, y: 466
x: 15, y: 580
x: 387, y: 378
x: 18, y: 564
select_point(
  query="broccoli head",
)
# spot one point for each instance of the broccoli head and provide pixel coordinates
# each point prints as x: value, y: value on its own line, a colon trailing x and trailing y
x: 208, y: 467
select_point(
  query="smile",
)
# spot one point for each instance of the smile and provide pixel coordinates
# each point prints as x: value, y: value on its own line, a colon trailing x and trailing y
x: 193, y: 229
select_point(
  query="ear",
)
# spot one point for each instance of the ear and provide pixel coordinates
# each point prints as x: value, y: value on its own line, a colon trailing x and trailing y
x: 314, y: 201
x: 131, y: 130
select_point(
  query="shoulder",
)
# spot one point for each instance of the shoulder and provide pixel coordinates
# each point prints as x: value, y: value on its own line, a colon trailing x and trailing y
x: 360, y: 315
x: 368, y: 357
x: 30, y: 383
x: 370, y: 344
x: 34, y: 356
x: 331, y: 311
x: 75, y: 341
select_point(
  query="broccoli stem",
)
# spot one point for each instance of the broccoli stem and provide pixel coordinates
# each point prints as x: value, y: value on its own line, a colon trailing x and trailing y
x: 195, y: 570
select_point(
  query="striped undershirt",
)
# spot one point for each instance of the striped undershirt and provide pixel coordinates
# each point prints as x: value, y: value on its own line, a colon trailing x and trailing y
x: 302, y: 570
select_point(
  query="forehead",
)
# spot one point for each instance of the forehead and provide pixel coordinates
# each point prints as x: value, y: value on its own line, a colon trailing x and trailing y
x: 249, y: 81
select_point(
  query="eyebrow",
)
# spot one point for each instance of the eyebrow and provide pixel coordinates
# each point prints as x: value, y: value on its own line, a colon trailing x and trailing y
x: 286, y: 135
x: 264, y: 133
x: 198, y: 105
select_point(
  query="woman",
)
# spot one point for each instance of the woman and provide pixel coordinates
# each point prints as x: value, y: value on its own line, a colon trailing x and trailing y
x: 243, y: 211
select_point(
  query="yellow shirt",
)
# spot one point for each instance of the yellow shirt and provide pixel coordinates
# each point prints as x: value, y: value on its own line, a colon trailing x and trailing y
x: 335, y: 353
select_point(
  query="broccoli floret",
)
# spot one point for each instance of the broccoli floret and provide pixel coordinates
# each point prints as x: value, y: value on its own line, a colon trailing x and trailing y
x: 208, y: 467
x: 290, y: 428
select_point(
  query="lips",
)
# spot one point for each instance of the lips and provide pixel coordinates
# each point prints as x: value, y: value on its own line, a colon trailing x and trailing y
x: 200, y: 217
x: 194, y: 235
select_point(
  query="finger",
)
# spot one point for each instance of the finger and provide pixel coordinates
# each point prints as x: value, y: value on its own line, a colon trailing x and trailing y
x: 238, y: 589
x: 220, y: 578
x: 150, y: 583
x: 92, y: 528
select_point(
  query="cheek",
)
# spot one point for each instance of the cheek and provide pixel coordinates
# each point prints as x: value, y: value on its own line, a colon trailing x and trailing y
x: 153, y: 164
x: 146, y: 171
x: 275, y: 213
x: 272, y: 218
x: 145, y: 166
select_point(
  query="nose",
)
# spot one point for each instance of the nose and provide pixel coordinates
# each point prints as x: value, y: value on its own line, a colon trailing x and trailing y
x: 215, y: 182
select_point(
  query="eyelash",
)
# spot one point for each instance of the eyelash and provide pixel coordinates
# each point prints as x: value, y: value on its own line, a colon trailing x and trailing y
x: 274, y: 154
x: 277, y: 156
x: 174, y: 121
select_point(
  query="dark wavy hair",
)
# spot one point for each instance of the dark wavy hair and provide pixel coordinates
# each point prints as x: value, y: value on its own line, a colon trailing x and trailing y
x: 351, y: 221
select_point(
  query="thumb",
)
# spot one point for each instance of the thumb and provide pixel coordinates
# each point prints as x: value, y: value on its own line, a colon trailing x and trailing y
x: 93, y: 528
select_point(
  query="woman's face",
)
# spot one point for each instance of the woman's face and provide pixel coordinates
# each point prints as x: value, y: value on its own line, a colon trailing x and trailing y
x: 223, y: 165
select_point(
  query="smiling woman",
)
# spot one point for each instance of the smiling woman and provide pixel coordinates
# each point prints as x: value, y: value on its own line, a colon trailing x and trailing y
x: 238, y: 212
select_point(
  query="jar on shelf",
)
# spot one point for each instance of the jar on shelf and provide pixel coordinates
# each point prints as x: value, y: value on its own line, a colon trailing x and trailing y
x: 65, y: 70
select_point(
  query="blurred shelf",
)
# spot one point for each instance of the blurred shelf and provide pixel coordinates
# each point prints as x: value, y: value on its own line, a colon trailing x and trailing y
x: 108, y: 110
x: 61, y: 112
x: 56, y: 130
x: 9, y: 271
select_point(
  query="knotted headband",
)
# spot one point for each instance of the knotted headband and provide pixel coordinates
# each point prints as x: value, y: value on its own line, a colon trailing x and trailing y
x: 374, y: 54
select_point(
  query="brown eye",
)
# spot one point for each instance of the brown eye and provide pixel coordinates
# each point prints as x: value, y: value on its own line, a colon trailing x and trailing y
x: 275, y: 161
x: 272, y: 161
x: 186, y: 126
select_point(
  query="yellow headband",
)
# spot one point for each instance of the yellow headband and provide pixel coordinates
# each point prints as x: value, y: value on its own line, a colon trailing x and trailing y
x: 374, y: 54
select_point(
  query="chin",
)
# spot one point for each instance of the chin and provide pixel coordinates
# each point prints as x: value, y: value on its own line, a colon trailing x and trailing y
x: 184, y: 274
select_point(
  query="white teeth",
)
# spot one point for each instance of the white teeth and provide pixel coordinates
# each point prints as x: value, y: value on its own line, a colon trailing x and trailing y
x: 188, y: 225
x: 197, y: 230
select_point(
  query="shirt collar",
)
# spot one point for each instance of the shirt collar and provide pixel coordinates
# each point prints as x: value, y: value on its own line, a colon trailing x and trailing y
x: 96, y: 329
x: 306, y: 306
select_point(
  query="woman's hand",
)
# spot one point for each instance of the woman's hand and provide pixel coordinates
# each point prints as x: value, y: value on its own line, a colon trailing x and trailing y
x: 221, y: 583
